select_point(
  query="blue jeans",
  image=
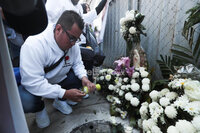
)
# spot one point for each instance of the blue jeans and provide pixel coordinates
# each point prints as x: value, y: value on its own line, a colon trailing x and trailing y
x: 32, y: 103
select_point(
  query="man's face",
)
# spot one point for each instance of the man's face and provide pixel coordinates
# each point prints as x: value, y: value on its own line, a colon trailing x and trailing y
x: 67, y: 38
x: 75, y: 2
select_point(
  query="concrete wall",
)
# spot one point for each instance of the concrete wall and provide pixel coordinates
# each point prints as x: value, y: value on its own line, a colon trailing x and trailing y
x: 164, y: 22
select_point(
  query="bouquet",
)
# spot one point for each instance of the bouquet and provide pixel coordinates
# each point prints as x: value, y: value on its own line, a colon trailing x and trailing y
x: 173, y: 110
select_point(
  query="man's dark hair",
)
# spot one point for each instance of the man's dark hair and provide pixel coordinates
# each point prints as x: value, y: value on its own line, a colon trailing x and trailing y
x: 68, y: 18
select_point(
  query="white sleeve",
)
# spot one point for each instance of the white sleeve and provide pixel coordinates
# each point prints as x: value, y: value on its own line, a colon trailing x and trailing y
x: 78, y: 66
x: 90, y: 16
x: 33, y: 75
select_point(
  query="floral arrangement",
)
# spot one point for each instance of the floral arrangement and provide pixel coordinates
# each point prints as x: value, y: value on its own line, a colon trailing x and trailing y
x: 173, y: 110
x: 125, y: 87
x: 131, y: 26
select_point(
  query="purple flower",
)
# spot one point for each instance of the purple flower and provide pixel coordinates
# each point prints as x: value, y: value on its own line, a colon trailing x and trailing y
x: 129, y: 71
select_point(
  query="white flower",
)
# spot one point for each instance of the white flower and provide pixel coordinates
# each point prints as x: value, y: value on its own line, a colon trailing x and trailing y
x: 134, y: 101
x: 154, y: 95
x: 128, y: 96
x: 123, y: 114
x: 135, y: 87
x: 118, y: 110
x: 121, y: 93
x: 108, y: 77
x: 111, y: 87
x: 193, y: 108
x: 172, y: 129
x: 122, y: 21
x: 185, y: 126
x: 123, y: 87
x: 113, y: 120
x: 145, y: 104
x: 102, y: 78
x: 181, y: 102
x: 102, y: 71
x: 133, y: 81
x: 155, y: 129
x: 148, y: 124
x: 139, y: 123
x: 143, y: 111
x: 171, y: 112
x: 171, y: 95
x: 110, y: 71
x: 125, y: 80
x: 109, y: 98
x: 119, y: 80
x: 128, y: 86
x: 135, y: 75
x: 196, y: 122
x: 144, y: 74
x: 132, y: 30
x: 116, y: 100
x: 119, y: 84
x: 145, y: 87
x: 192, y: 89
x: 155, y: 110
x: 163, y: 92
x: 177, y: 83
x: 128, y: 129
x: 141, y: 69
x: 164, y: 101
x: 145, y: 81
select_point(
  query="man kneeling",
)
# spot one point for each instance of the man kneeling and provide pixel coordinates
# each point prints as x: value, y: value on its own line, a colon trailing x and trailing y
x: 54, y: 47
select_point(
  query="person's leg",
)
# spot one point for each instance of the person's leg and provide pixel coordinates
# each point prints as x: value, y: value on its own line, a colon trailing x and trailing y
x: 72, y: 81
x: 30, y: 103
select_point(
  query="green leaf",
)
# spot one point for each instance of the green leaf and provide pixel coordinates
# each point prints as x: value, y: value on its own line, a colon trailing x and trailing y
x: 181, y: 48
x: 196, y: 48
x: 183, y: 60
x: 180, y: 53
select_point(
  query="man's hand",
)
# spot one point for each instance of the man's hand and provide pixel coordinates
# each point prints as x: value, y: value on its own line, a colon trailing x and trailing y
x: 91, y: 86
x: 74, y: 95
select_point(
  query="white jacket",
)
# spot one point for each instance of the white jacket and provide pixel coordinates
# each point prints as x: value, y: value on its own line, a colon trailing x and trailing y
x: 40, y: 51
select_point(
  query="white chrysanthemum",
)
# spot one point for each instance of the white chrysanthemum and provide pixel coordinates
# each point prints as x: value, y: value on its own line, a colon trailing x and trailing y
x: 123, y: 114
x: 141, y: 69
x: 154, y: 95
x: 192, y: 89
x: 102, y: 78
x: 128, y: 96
x: 132, y: 30
x: 128, y: 86
x: 145, y: 87
x: 164, y: 101
x: 196, y: 122
x: 148, y: 124
x: 155, y: 129
x: 170, y: 112
x: 110, y: 71
x: 111, y: 87
x: 119, y: 80
x: 133, y: 81
x: 163, y: 92
x: 155, y: 110
x: 177, y: 83
x: 134, y: 101
x: 185, y: 126
x: 135, y: 87
x: 102, y: 71
x: 119, y: 84
x: 181, y: 102
x: 123, y: 87
x: 145, y: 104
x: 117, y: 90
x: 113, y: 120
x: 135, y: 75
x: 121, y: 93
x: 122, y: 21
x: 144, y: 74
x: 139, y: 123
x: 125, y: 80
x: 109, y: 98
x: 143, y: 110
x: 193, y: 108
x: 172, y: 129
x: 108, y: 77
x: 145, y: 81
x: 128, y: 129
x: 171, y: 95
x: 116, y: 100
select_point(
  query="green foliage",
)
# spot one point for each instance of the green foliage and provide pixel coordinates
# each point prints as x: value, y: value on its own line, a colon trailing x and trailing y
x: 159, y: 84
x: 182, y: 55
x: 166, y: 66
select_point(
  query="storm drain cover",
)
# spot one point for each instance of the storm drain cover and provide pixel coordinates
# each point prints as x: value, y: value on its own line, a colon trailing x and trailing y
x: 98, y: 127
